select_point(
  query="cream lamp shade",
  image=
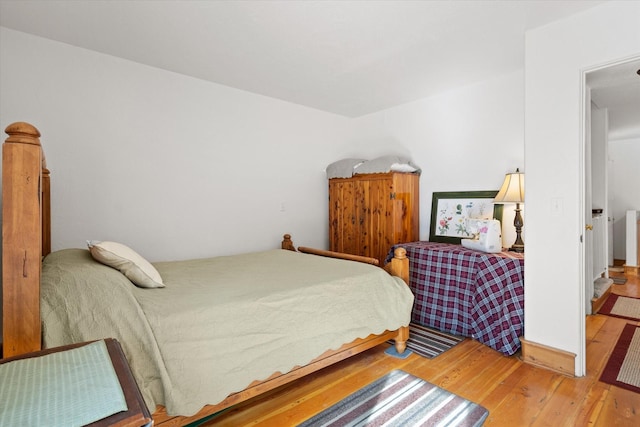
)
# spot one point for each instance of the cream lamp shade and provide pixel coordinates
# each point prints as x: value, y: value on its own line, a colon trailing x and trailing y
x: 512, y: 191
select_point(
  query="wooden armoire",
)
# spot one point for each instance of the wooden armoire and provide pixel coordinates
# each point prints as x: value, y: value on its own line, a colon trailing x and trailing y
x: 369, y: 213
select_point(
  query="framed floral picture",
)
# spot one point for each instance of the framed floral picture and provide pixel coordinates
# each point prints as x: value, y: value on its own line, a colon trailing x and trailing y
x: 449, y: 211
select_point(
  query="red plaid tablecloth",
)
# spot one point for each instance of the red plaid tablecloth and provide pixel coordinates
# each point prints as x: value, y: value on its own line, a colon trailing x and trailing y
x: 467, y: 292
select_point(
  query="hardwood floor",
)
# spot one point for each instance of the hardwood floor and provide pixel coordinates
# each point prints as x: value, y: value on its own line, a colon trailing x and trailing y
x: 516, y: 394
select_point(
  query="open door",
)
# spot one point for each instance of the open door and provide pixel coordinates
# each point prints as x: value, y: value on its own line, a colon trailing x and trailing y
x: 587, y: 235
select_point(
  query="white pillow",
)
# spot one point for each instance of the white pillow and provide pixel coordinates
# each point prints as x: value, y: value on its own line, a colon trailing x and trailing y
x: 127, y: 261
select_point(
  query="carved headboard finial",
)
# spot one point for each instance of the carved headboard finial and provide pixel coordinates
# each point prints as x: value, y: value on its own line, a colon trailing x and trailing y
x: 23, y: 133
x: 287, y: 243
x: 400, y: 253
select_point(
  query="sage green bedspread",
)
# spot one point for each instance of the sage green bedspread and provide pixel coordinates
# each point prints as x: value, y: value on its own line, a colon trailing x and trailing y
x: 219, y: 323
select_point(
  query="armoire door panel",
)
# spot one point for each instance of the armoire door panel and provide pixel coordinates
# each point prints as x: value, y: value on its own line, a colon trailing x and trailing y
x: 368, y: 214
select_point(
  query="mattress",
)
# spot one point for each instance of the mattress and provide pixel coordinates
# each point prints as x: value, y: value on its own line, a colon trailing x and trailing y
x: 220, y: 323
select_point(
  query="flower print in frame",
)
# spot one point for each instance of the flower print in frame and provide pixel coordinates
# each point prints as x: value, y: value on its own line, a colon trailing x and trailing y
x: 450, y: 210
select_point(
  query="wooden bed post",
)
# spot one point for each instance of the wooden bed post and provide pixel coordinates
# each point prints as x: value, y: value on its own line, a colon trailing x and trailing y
x: 22, y: 239
x: 399, y: 265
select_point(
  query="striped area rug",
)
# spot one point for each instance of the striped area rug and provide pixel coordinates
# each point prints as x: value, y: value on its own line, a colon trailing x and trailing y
x: 623, y: 367
x: 429, y: 342
x: 400, y: 399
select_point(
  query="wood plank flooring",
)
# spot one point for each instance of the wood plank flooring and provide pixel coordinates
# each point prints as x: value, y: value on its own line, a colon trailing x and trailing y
x: 516, y: 394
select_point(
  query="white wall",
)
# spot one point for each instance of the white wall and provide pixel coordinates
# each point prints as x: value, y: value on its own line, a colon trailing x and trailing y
x: 624, y: 155
x: 556, y: 57
x: 464, y: 140
x: 178, y: 167
x: 174, y: 166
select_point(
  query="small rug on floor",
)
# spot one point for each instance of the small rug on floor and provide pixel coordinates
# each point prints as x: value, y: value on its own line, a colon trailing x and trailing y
x: 429, y: 342
x: 620, y: 306
x: 623, y: 367
x: 619, y: 280
x: 399, y: 398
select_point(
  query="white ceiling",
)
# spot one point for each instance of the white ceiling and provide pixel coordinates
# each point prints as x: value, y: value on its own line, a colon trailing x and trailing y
x: 346, y: 57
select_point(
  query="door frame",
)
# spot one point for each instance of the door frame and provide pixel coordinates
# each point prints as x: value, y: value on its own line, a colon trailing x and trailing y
x: 585, y: 112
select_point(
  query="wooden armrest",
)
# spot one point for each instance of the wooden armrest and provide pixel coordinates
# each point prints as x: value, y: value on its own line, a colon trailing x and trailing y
x: 287, y: 244
x: 339, y: 255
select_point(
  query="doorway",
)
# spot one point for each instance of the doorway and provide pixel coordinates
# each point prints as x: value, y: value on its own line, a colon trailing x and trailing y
x: 612, y: 153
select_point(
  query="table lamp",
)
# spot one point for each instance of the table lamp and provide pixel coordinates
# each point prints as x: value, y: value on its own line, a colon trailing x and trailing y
x: 512, y: 191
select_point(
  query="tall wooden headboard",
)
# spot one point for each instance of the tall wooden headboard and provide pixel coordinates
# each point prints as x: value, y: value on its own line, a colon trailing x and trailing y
x: 26, y: 237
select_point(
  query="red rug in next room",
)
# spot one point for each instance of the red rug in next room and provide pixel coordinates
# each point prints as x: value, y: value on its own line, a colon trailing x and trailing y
x: 623, y: 368
x: 623, y: 307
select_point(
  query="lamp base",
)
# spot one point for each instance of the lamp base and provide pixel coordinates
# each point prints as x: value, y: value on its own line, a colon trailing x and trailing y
x: 517, y: 248
x: 518, y: 245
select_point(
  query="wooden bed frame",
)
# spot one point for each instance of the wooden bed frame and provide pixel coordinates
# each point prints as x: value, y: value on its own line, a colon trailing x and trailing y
x: 26, y: 231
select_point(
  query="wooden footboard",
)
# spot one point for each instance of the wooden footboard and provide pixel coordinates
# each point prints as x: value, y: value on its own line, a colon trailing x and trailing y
x: 398, y: 266
x: 160, y: 417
